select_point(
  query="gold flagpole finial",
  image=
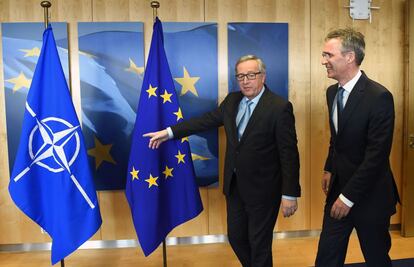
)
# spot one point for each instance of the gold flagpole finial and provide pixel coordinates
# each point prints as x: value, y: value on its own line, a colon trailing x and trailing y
x: 155, y: 5
x: 46, y: 5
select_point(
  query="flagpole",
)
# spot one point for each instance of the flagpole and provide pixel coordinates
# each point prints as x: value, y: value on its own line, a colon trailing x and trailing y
x: 164, y: 253
x: 155, y: 5
x: 46, y: 5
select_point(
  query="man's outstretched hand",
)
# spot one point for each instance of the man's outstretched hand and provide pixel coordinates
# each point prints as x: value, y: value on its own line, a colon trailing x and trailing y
x: 157, y: 138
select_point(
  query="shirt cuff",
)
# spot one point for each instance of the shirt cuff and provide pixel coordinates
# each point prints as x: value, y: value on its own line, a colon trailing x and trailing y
x: 346, y: 201
x: 288, y: 197
x: 170, y: 133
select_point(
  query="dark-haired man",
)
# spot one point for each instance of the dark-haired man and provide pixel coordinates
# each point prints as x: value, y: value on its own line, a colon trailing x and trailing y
x: 358, y: 182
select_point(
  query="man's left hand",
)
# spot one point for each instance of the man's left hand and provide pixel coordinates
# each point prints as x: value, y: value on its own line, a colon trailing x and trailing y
x: 289, y: 207
x: 339, y: 209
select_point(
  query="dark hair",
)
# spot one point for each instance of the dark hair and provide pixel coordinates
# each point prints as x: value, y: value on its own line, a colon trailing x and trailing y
x: 351, y: 40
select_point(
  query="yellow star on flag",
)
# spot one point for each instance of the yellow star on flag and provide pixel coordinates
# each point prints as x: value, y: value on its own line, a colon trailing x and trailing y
x: 179, y: 114
x: 20, y: 82
x: 134, y: 173
x: 168, y: 172
x: 151, y: 91
x: 166, y: 97
x: 34, y: 52
x: 152, y: 181
x: 188, y: 83
x: 134, y: 68
x: 180, y: 157
x: 184, y: 139
x: 198, y: 157
x: 101, y: 153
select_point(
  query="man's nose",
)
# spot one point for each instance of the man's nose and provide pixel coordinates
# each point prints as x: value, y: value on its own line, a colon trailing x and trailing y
x: 245, y: 80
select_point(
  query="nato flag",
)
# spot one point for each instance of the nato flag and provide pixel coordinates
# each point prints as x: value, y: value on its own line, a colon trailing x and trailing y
x: 51, y: 181
x: 161, y: 188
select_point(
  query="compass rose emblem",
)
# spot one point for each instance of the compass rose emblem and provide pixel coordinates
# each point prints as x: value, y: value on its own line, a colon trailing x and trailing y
x: 59, y: 144
x: 54, y: 144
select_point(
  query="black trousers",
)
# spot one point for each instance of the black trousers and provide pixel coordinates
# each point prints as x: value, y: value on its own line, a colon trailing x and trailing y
x: 250, y: 228
x: 372, y: 230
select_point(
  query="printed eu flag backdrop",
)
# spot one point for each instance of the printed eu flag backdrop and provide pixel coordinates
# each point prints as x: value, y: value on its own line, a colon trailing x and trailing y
x: 269, y: 41
x: 111, y: 72
x: 192, y: 54
x: 51, y: 181
x: 111, y: 63
x: 161, y: 188
x: 21, y: 49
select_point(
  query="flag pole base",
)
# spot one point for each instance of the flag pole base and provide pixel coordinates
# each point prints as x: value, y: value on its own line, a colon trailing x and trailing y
x: 164, y: 253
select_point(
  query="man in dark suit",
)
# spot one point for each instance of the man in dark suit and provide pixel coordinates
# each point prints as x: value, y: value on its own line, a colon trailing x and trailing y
x: 358, y: 182
x: 261, y: 162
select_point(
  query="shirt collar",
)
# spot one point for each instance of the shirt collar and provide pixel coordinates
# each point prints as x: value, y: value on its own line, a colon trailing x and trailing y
x: 256, y: 99
x: 351, y: 84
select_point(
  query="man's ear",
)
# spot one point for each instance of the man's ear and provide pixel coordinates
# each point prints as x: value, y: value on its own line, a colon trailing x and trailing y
x: 350, y: 57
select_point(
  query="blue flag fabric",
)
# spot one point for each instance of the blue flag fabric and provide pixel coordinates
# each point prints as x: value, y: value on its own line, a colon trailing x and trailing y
x: 188, y: 46
x: 51, y: 181
x: 265, y: 40
x: 111, y: 68
x: 161, y: 188
x: 22, y: 42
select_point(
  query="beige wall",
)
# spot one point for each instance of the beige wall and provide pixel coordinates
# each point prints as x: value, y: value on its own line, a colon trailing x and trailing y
x: 407, y: 218
x: 309, y: 21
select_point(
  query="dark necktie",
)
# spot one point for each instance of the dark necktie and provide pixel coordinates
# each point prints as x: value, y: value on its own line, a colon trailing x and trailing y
x: 340, y: 99
x: 339, y: 105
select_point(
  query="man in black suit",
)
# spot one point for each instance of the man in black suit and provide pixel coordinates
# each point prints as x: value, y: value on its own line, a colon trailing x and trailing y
x: 358, y: 182
x: 261, y: 162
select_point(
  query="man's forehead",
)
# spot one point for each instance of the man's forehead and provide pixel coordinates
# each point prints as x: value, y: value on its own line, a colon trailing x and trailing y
x: 249, y: 64
x: 334, y: 42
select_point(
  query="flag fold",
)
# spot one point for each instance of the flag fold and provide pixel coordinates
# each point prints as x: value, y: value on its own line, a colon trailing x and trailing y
x: 161, y: 188
x: 51, y: 181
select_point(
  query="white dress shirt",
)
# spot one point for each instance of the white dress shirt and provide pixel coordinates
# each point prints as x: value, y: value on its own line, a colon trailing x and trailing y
x: 254, y: 101
x: 348, y: 89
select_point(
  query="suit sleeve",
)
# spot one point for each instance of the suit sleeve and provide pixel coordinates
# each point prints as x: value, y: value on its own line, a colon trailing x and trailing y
x: 379, y: 141
x: 328, y: 162
x: 288, y: 152
x: 209, y: 120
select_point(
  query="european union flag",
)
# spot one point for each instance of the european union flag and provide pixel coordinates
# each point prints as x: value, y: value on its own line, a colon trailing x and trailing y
x: 188, y: 45
x: 111, y: 66
x: 265, y: 40
x: 160, y: 188
x: 51, y: 181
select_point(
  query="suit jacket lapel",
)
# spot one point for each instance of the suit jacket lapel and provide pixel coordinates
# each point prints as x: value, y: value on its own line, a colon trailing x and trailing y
x: 233, y: 109
x: 331, y: 97
x: 253, y: 118
x: 352, y: 102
